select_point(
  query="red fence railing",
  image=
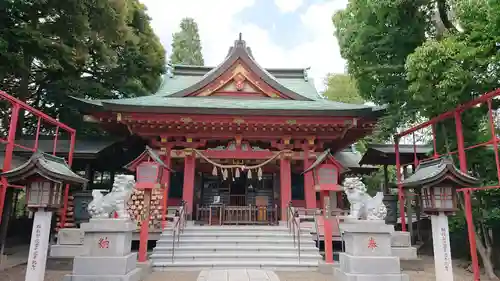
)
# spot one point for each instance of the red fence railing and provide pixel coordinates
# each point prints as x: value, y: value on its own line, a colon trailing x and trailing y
x: 460, y: 151
x: 16, y: 107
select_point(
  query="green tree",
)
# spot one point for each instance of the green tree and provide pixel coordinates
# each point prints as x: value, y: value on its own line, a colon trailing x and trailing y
x: 94, y: 49
x: 342, y: 88
x: 375, y: 38
x: 186, y: 44
x: 424, y: 58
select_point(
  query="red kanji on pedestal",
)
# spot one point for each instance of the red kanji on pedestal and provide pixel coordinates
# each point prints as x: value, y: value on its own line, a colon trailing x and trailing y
x: 104, y: 243
x: 372, y: 244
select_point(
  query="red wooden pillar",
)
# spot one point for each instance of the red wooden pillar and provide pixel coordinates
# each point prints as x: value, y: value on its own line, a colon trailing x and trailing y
x: 327, y: 225
x: 189, y: 173
x: 9, y: 148
x: 165, y: 181
x: 144, y: 232
x: 309, y: 191
x: 467, y: 197
x: 285, y: 184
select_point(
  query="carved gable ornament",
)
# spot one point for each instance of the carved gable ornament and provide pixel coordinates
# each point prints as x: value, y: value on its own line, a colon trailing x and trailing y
x: 239, y: 79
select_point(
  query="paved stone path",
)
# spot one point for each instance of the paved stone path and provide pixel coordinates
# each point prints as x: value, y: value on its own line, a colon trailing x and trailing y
x: 237, y: 275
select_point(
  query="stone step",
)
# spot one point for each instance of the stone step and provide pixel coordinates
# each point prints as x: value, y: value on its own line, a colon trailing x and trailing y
x: 233, y: 236
x: 400, y: 239
x: 232, y: 256
x: 405, y: 253
x: 238, y: 229
x: 249, y: 231
x: 273, y: 265
x: 239, y: 248
x: 219, y: 242
x: 201, y: 247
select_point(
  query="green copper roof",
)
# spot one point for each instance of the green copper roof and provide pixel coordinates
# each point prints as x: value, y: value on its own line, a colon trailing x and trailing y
x: 178, y: 82
x: 434, y: 171
x: 182, y: 80
x: 158, y: 103
x: 48, y: 166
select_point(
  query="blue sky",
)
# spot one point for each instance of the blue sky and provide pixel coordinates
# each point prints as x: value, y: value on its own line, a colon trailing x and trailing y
x: 281, y: 33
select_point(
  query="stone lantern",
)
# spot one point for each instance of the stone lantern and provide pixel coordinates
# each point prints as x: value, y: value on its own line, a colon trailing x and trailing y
x: 326, y: 173
x: 44, y: 176
x: 149, y: 170
x: 438, y: 180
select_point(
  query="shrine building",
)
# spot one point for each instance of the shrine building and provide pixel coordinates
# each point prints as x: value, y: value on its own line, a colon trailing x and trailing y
x: 237, y: 135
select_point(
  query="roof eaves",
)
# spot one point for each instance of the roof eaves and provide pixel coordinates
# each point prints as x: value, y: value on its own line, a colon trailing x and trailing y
x: 45, y: 165
x: 147, y: 152
x: 360, y: 112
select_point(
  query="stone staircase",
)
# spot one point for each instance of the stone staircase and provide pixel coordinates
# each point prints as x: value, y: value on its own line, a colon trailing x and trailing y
x: 202, y: 247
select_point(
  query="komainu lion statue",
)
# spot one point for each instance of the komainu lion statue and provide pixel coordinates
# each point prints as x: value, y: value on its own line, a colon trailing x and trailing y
x: 363, y: 206
x: 103, y: 205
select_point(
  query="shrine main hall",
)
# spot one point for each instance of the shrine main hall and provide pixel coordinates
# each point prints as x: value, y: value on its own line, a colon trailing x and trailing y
x: 239, y: 135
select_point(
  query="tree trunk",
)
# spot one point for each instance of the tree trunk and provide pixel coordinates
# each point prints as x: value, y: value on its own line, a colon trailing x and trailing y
x: 481, y: 249
x: 487, y: 264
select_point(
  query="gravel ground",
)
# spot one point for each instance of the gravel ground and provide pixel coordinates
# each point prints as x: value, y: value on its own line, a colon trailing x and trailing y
x: 57, y: 272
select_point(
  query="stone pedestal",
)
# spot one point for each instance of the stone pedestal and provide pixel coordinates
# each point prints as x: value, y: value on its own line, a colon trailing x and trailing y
x: 108, y: 255
x: 69, y: 243
x: 391, y: 204
x: 368, y: 255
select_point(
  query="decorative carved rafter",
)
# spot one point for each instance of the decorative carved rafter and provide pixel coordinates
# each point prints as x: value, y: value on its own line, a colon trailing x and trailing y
x: 171, y: 142
x: 244, y: 146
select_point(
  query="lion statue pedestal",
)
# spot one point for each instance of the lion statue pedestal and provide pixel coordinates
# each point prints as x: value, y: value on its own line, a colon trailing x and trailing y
x: 368, y: 254
x: 108, y: 241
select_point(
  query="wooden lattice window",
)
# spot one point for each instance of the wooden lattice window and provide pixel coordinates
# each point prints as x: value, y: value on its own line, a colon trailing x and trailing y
x: 438, y: 197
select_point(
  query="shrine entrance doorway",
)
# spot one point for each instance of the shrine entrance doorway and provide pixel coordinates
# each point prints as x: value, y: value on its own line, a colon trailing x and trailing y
x: 237, y: 201
x: 238, y: 192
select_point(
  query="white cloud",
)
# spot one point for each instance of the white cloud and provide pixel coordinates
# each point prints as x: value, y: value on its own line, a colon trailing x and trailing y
x: 288, y: 6
x: 219, y: 27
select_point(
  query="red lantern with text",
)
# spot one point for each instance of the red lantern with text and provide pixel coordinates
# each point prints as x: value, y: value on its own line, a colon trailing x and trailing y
x: 149, y: 169
x: 148, y: 175
x: 326, y: 174
x: 326, y: 177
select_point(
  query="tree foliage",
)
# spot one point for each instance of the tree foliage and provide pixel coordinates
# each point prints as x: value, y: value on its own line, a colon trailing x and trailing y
x: 52, y: 49
x: 186, y: 44
x: 426, y: 57
x: 375, y: 38
x: 342, y: 88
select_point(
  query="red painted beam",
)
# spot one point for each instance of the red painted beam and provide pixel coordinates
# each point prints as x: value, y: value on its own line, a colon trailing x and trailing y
x: 206, y: 119
x: 229, y: 135
x: 451, y: 113
x: 228, y: 154
x: 36, y: 112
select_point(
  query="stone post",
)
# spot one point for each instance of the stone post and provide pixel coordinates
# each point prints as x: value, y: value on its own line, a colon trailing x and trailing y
x: 441, y: 245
